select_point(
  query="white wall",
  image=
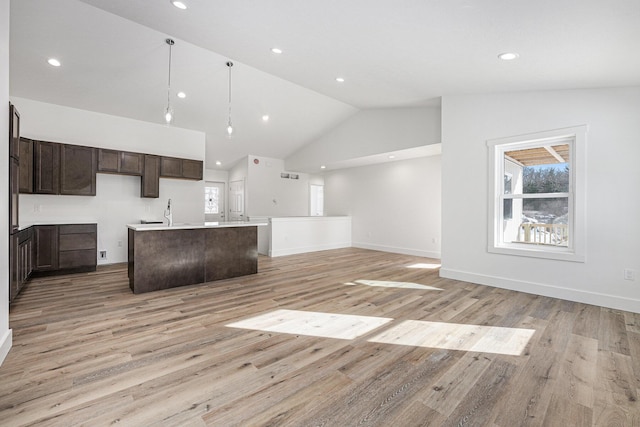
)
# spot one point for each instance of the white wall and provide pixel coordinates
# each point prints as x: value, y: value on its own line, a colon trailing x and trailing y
x: 5, y: 332
x: 370, y: 132
x: 613, y: 200
x: 268, y: 194
x: 395, y: 207
x: 297, y: 235
x: 117, y: 201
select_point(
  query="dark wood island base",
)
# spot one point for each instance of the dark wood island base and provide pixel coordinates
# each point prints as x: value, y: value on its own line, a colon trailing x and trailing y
x: 170, y: 257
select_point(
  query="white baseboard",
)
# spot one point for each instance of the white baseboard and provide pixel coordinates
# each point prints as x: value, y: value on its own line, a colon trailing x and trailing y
x: 5, y: 345
x: 396, y: 250
x: 306, y: 249
x: 593, y: 298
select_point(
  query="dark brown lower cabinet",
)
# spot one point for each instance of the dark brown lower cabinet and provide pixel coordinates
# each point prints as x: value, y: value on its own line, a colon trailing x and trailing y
x: 46, y: 241
x: 14, y: 283
x: 77, y: 244
x: 65, y: 247
x: 21, y: 259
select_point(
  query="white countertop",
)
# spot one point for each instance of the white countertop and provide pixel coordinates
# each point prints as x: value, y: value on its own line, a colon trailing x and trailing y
x: 25, y: 225
x: 192, y: 226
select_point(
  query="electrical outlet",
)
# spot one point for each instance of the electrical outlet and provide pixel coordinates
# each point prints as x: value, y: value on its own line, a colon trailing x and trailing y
x: 119, y: 243
x: 629, y: 274
x: 103, y: 254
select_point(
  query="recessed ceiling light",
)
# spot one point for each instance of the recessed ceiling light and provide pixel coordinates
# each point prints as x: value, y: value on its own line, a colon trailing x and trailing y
x: 323, y: 167
x: 218, y: 163
x: 392, y: 156
x: 508, y: 56
x: 265, y: 118
x: 276, y: 50
x: 54, y: 62
x: 340, y: 79
x: 182, y: 95
x: 179, y: 5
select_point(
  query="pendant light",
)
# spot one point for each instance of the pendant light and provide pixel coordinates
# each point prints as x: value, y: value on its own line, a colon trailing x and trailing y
x: 229, y: 125
x: 168, y: 112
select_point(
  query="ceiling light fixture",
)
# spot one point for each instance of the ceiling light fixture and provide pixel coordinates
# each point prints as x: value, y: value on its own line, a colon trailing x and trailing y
x: 229, y: 125
x: 392, y: 156
x: 179, y: 5
x: 218, y: 163
x: 340, y: 79
x: 181, y: 95
x: 168, y: 112
x: 508, y: 56
x: 323, y: 167
x: 276, y: 50
x: 265, y: 118
x: 54, y: 62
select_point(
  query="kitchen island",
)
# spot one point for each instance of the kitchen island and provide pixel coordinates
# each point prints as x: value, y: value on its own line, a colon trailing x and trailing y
x: 162, y: 257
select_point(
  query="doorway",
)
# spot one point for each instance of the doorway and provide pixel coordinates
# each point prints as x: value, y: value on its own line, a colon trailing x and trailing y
x: 213, y: 201
x: 236, y: 200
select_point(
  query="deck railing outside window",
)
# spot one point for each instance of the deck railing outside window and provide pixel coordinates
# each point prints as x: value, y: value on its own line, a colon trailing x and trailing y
x: 544, y: 234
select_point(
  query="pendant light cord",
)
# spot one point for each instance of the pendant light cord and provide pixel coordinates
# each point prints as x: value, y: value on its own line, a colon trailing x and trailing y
x: 170, y: 43
x: 229, y: 64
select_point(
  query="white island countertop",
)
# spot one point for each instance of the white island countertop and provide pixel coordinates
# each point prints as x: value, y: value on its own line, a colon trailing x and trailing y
x: 194, y: 225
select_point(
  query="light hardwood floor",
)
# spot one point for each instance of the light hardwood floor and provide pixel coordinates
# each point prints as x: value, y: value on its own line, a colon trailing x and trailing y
x: 88, y: 352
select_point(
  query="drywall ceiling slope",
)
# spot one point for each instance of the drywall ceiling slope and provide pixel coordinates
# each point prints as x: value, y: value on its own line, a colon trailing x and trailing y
x: 115, y: 66
x: 370, y: 136
x: 407, y: 53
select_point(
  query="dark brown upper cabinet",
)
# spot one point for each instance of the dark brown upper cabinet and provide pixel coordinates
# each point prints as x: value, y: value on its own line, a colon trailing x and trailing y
x: 108, y: 160
x: 150, y: 182
x: 192, y: 169
x: 172, y: 167
x: 26, y: 165
x: 131, y: 163
x: 78, y: 167
x: 46, y: 167
x: 120, y: 162
x: 14, y: 135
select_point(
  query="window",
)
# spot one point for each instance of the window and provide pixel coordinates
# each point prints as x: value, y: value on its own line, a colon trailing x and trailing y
x: 211, y: 200
x: 537, y: 195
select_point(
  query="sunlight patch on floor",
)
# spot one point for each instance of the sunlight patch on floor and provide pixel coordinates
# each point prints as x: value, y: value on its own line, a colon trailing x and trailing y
x: 424, y: 265
x: 315, y: 324
x: 390, y: 284
x: 452, y: 336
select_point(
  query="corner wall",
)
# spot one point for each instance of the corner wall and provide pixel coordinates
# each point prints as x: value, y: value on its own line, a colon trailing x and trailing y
x: 117, y: 201
x: 395, y: 207
x: 5, y: 332
x: 613, y: 200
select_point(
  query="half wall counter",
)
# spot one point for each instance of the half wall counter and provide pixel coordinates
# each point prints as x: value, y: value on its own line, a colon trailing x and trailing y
x: 162, y: 257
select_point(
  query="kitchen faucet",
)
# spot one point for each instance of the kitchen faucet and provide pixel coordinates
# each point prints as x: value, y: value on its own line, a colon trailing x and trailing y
x: 169, y: 214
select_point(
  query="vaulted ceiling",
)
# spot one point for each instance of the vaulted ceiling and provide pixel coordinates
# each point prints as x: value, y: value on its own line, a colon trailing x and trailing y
x: 390, y: 54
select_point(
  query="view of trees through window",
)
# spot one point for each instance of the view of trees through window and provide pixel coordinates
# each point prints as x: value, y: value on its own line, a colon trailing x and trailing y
x: 546, y: 179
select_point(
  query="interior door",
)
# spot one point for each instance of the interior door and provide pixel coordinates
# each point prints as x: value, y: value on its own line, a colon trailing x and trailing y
x: 214, y: 201
x: 236, y: 200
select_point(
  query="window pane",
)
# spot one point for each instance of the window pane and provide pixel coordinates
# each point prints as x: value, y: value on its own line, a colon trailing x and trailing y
x: 544, y: 169
x: 211, y: 199
x: 543, y: 222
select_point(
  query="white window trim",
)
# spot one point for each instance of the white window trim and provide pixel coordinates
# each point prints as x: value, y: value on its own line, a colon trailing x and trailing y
x: 577, y: 204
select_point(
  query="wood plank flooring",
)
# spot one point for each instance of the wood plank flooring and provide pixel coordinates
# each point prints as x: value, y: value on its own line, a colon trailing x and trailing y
x: 86, y: 351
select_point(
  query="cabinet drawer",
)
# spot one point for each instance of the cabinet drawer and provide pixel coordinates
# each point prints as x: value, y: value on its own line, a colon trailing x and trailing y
x: 77, y: 228
x: 73, y: 259
x: 72, y: 242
